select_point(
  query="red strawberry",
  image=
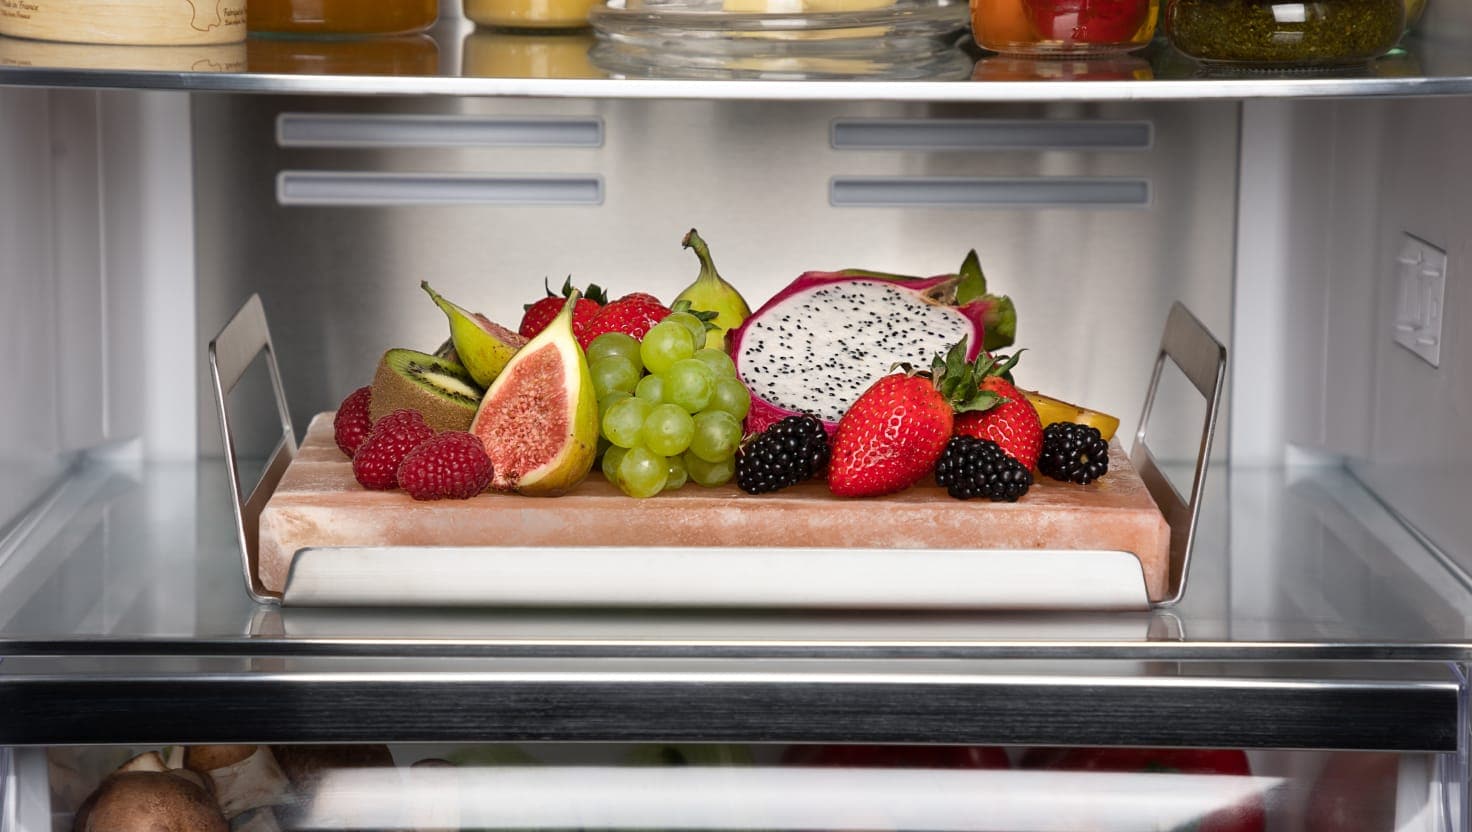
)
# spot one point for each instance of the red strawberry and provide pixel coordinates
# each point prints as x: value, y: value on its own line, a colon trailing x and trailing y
x: 632, y: 315
x: 376, y: 463
x: 451, y: 465
x: 640, y: 296
x: 891, y: 437
x: 1009, y: 420
x: 351, y: 425
x: 541, y: 313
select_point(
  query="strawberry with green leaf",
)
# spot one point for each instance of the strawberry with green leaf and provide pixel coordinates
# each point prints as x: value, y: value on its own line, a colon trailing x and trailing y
x: 891, y: 437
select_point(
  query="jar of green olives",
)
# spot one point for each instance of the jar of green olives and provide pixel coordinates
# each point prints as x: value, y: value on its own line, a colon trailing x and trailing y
x: 1278, y: 33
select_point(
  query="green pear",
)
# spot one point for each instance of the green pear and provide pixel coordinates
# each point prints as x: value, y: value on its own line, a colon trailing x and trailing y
x: 483, y: 346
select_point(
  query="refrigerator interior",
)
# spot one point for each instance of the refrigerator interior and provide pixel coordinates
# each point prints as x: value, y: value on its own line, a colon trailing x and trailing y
x: 134, y: 223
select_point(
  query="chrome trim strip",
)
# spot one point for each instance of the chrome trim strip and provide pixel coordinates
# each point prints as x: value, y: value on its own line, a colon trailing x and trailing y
x: 936, y: 91
x: 714, y: 707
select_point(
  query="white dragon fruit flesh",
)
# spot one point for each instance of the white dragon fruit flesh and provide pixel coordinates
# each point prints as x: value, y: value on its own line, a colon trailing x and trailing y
x: 822, y: 341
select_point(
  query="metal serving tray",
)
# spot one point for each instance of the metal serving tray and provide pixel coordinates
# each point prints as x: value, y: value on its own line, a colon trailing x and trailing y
x: 720, y: 577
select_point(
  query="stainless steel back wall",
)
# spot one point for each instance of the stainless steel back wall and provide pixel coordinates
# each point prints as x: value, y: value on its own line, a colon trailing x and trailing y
x: 1093, y: 228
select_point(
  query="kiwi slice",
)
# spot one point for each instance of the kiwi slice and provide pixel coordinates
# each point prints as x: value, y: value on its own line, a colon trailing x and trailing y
x: 441, y: 390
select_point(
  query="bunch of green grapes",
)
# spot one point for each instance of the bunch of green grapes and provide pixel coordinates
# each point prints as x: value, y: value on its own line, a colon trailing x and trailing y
x: 668, y: 412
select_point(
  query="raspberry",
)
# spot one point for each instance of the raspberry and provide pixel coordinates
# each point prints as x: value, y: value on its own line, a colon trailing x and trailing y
x: 352, y: 425
x: 376, y: 463
x: 452, y: 465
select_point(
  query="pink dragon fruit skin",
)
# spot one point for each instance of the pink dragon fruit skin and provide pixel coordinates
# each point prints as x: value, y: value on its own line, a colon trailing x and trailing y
x: 820, y: 372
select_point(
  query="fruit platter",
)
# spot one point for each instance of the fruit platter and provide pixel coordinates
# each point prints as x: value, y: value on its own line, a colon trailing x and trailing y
x: 860, y: 440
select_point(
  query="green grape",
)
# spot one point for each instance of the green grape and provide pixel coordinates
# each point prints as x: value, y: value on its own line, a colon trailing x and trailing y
x: 664, y: 344
x: 609, y: 400
x: 730, y: 396
x: 709, y: 474
x: 717, y: 434
x: 688, y: 384
x: 667, y: 430
x: 642, y: 473
x: 719, y: 363
x: 614, y: 343
x: 611, y: 458
x: 690, y: 322
x: 650, y: 388
x: 612, y: 373
x: 677, y: 474
x: 623, y: 424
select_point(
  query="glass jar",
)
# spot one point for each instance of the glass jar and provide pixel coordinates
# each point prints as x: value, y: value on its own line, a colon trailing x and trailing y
x: 342, y: 17
x: 530, y: 14
x: 1278, y: 33
x: 1063, y: 28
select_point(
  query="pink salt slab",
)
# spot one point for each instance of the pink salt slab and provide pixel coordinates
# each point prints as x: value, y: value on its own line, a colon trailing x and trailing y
x: 318, y: 503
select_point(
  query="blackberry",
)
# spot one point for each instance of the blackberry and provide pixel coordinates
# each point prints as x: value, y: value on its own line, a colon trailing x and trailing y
x: 786, y: 453
x: 1073, y: 453
x: 972, y: 467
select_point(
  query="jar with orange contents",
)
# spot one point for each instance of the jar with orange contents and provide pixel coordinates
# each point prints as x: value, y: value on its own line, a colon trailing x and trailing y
x: 1063, y: 28
x: 341, y: 17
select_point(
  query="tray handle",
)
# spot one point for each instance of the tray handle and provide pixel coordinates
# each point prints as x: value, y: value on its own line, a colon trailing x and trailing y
x: 1192, y: 348
x: 231, y: 354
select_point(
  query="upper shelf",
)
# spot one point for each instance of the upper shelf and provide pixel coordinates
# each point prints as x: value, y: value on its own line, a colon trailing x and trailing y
x: 458, y: 61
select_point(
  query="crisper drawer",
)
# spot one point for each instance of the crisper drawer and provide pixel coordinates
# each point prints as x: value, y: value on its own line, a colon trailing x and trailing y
x: 722, y: 787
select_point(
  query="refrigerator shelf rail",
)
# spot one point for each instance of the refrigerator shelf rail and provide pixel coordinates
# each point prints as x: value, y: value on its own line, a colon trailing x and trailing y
x: 1416, y: 709
x: 1457, y: 83
x: 580, y: 575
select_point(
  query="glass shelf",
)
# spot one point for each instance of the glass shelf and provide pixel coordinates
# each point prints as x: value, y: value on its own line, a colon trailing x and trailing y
x: 456, y: 60
x: 1292, y: 564
x: 1312, y: 619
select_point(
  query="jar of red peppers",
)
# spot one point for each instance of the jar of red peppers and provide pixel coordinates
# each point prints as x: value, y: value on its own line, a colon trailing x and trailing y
x: 1063, y: 28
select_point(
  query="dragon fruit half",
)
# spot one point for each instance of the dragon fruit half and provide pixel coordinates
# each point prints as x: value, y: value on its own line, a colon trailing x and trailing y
x: 819, y: 343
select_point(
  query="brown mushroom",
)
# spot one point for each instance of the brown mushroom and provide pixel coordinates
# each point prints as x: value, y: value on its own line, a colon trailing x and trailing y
x: 206, y: 758
x: 244, y: 777
x: 149, y: 801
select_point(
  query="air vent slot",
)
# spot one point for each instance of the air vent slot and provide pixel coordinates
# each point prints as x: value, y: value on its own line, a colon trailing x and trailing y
x: 368, y: 130
x: 357, y: 188
x: 961, y: 192
x: 990, y: 134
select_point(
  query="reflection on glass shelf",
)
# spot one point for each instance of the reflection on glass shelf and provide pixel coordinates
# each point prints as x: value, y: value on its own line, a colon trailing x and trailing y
x: 405, y: 55
x: 1014, y: 68
x: 734, y: 787
x: 492, y: 53
x: 1297, y: 563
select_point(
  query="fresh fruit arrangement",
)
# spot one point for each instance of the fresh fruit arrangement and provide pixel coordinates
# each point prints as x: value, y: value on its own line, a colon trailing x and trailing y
x: 820, y: 383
